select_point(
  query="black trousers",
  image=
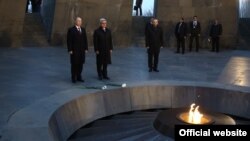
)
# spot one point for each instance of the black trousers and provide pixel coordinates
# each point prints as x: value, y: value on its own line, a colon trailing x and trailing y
x: 102, y: 69
x: 215, y: 44
x: 139, y: 9
x: 181, y: 44
x: 153, y: 58
x: 196, y: 37
x: 76, y: 70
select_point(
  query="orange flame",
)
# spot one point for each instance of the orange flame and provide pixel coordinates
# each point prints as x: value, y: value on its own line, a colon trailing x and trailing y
x: 194, y: 115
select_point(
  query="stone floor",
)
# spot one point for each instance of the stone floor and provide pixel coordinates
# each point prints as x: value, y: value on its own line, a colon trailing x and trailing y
x: 31, y: 74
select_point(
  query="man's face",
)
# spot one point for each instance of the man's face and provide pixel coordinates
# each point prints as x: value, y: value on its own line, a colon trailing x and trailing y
x: 195, y: 18
x: 216, y: 21
x: 104, y: 24
x: 78, y: 21
x: 155, y: 23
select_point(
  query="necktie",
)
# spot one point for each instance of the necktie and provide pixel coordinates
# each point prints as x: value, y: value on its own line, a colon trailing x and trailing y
x: 79, y: 29
x: 179, y: 28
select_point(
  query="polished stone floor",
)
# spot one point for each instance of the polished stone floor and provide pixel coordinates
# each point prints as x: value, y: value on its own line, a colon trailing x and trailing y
x: 31, y: 74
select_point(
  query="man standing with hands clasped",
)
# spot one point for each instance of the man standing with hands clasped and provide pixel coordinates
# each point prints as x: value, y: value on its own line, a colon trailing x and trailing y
x: 181, y: 33
x: 215, y: 33
x: 77, y: 47
x: 195, y: 33
x: 154, y: 41
x: 103, y: 48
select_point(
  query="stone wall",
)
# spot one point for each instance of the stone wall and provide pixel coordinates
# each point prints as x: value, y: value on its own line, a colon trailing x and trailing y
x: 226, y: 11
x: 117, y: 12
x: 11, y: 22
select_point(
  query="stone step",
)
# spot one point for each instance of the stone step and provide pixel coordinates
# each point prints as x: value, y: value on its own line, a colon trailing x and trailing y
x: 114, y: 136
x: 135, y: 116
x: 34, y: 34
x: 108, y: 123
x: 140, y: 137
x: 34, y: 18
x: 111, y: 127
x: 161, y: 138
x: 34, y: 28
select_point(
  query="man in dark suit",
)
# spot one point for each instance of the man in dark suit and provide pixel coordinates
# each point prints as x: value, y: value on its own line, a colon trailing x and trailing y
x: 138, y: 4
x: 77, y: 47
x: 148, y: 25
x: 103, y: 48
x: 215, y: 33
x: 195, y: 32
x: 181, y: 33
x: 154, y: 41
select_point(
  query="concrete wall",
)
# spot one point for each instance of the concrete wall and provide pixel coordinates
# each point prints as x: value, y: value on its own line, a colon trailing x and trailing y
x: 47, y: 13
x: 117, y: 12
x: 11, y: 22
x: 226, y: 11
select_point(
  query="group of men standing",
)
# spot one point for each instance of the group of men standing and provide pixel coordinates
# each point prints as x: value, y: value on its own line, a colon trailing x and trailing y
x: 78, y: 45
x: 195, y: 33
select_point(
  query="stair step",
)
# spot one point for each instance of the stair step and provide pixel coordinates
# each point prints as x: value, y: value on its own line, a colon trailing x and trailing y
x: 162, y: 138
x: 115, y: 128
x: 135, y: 116
x: 140, y: 137
x: 34, y: 33
x: 108, y: 123
x: 114, y: 136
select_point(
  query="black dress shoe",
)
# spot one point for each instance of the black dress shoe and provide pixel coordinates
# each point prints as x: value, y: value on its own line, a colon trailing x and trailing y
x: 107, y: 78
x: 150, y: 70
x: 73, y: 81
x: 156, y: 70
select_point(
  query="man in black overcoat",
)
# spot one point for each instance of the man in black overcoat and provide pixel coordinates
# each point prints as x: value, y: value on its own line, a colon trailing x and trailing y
x: 148, y: 25
x: 154, y: 41
x: 195, y: 32
x: 77, y: 47
x: 215, y: 33
x: 181, y: 33
x: 103, y: 47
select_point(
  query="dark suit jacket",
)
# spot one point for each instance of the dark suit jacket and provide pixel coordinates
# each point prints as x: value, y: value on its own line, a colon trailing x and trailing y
x: 138, y: 3
x: 181, y: 31
x: 216, y: 30
x: 78, y: 43
x: 103, y: 43
x: 154, y: 38
x: 195, y: 30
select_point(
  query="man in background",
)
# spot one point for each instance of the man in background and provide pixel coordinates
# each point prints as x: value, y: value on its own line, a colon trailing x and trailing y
x: 215, y: 33
x: 195, y: 33
x: 77, y: 47
x: 138, y: 5
x: 180, y: 34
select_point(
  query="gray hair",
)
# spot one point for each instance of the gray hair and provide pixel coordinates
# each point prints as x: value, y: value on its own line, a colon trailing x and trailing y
x: 102, y: 19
